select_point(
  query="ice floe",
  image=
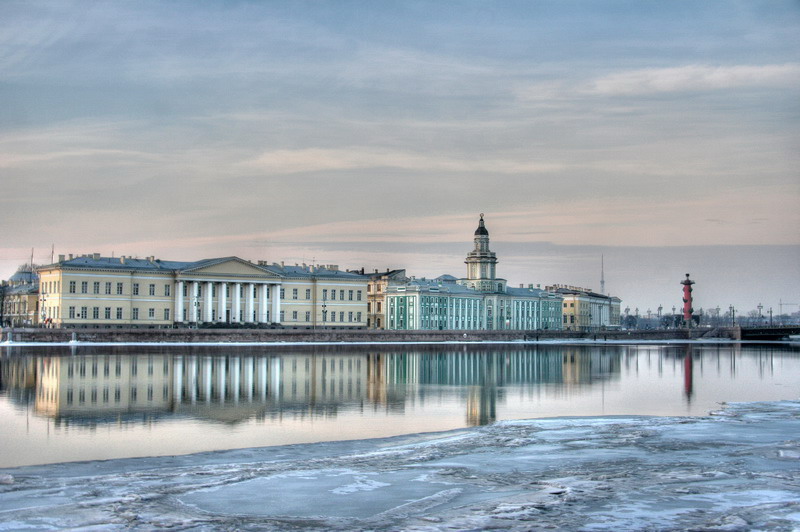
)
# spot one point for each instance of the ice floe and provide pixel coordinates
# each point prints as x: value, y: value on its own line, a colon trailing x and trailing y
x: 737, y: 471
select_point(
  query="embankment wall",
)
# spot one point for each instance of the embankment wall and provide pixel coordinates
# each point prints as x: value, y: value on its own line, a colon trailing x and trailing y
x: 338, y: 335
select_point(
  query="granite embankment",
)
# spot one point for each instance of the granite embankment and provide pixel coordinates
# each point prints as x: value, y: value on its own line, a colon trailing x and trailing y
x: 286, y: 335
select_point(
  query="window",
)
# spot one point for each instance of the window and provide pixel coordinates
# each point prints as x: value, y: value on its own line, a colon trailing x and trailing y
x: 151, y: 312
x: 333, y: 316
x: 185, y: 289
x: 119, y: 289
x: 136, y: 289
x: 283, y: 312
x: 84, y: 313
x: 283, y: 294
x: 369, y: 307
x: 107, y: 314
x: 72, y: 313
x: 308, y: 293
x: 379, y: 306
x: 166, y: 314
x: 308, y: 316
x: 358, y: 295
x: 294, y: 315
x: 294, y: 293
x: 333, y: 295
x: 135, y: 314
x: 119, y: 313
x: 95, y: 313
x: 152, y: 290
x: 72, y: 287
x: 349, y: 295
x: 341, y: 295
x: 350, y: 317
x: 108, y: 289
x: 84, y: 287
x: 341, y: 316
x: 325, y: 294
x: 166, y: 290
x: 358, y: 317
x: 96, y: 287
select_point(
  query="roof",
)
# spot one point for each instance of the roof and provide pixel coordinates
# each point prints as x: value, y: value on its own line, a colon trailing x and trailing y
x: 481, y: 230
x: 304, y: 271
x: 152, y: 264
x: 23, y: 276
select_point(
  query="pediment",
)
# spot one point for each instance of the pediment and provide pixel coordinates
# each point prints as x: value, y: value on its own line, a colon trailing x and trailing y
x: 228, y: 266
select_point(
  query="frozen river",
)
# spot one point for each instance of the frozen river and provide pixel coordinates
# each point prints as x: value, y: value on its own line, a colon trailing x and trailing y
x: 62, y: 404
x: 736, y: 470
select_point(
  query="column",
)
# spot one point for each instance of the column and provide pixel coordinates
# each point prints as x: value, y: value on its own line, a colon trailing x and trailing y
x: 177, y: 385
x: 250, y: 303
x: 248, y: 378
x: 276, y: 303
x: 236, y: 307
x: 236, y: 376
x: 194, y: 303
x: 222, y: 301
x: 209, y: 302
x: 262, y: 303
x: 193, y: 380
x: 178, y: 302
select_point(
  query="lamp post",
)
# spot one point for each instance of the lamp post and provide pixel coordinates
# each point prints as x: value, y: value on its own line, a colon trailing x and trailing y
x: 733, y: 316
x: 760, y: 317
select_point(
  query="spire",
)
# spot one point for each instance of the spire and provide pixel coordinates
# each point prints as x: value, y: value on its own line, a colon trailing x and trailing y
x: 481, y: 230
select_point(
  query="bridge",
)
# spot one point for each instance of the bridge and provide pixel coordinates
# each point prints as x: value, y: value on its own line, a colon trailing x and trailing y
x: 769, y: 333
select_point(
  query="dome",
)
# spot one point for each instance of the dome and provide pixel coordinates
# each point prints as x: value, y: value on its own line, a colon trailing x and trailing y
x: 481, y: 230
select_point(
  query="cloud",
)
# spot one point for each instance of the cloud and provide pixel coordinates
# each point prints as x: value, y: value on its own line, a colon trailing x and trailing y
x: 694, y: 78
x: 321, y: 159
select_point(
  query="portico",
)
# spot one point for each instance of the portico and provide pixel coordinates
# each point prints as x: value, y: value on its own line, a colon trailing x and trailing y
x: 227, y: 291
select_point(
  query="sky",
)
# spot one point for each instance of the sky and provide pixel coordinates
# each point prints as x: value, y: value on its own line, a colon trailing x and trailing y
x: 660, y: 136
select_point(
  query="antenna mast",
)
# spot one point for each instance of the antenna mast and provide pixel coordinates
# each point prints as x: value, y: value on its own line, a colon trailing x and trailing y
x: 602, y: 276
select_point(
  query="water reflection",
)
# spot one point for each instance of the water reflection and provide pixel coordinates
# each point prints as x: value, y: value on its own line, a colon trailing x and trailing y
x: 90, y: 388
x: 86, y: 403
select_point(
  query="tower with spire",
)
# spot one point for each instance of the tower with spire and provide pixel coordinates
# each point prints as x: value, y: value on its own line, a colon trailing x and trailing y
x: 481, y: 264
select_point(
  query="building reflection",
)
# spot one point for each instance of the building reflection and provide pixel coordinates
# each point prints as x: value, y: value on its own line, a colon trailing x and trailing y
x: 94, y: 389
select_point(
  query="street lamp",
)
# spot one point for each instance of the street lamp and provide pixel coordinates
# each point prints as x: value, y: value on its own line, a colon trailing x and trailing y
x: 733, y: 316
x: 760, y: 317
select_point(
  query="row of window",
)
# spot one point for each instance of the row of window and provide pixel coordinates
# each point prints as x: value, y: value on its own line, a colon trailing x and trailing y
x: 83, y: 313
x: 351, y: 295
x: 133, y: 395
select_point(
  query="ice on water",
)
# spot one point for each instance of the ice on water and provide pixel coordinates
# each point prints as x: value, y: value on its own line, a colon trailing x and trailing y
x: 736, y: 470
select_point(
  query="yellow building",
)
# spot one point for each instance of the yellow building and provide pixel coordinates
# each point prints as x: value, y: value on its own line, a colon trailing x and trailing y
x: 92, y: 291
x: 585, y: 310
x: 376, y: 295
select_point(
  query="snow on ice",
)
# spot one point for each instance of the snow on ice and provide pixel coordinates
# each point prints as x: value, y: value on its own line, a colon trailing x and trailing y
x: 737, y: 469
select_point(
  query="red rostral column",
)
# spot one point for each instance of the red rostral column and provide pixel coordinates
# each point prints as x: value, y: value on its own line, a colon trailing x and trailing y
x: 687, y: 300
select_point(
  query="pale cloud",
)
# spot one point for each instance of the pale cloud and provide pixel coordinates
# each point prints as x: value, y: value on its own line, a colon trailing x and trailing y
x: 694, y: 78
x: 321, y: 159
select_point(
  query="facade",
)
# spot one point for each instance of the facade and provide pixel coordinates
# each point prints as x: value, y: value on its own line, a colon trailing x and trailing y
x: 481, y: 301
x: 584, y: 310
x: 376, y: 295
x: 20, y: 299
x: 91, y: 291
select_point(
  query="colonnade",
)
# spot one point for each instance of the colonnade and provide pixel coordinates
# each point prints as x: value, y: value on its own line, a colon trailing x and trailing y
x: 248, y: 314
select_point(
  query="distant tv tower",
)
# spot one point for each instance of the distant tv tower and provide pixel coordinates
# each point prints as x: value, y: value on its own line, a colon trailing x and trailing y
x: 687, y: 301
x: 602, y: 276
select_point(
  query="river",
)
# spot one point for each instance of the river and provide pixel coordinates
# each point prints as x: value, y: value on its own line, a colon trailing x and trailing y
x: 61, y: 404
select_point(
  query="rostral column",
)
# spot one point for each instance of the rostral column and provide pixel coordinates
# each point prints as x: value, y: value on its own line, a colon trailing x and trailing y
x: 687, y: 301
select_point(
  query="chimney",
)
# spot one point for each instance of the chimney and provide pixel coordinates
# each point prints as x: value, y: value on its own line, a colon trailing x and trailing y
x: 122, y: 259
x: 61, y: 258
x: 70, y: 256
x: 96, y: 256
